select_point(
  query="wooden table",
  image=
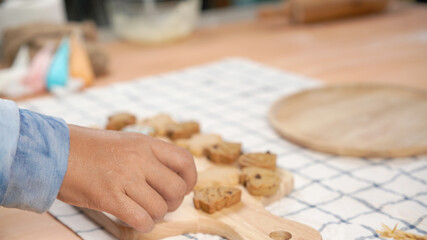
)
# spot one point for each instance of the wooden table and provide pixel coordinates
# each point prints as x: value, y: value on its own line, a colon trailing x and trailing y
x: 391, y: 48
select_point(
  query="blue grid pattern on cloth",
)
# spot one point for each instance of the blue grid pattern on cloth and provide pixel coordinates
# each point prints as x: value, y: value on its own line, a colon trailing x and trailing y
x: 342, y: 197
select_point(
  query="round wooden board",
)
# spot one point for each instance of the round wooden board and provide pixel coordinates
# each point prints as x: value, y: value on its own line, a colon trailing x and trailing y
x: 362, y: 120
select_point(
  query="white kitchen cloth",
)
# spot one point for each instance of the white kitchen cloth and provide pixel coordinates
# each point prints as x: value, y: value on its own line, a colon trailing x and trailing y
x: 343, y: 198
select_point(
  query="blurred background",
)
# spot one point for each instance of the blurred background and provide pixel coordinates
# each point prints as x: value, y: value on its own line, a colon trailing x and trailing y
x: 63, y: 46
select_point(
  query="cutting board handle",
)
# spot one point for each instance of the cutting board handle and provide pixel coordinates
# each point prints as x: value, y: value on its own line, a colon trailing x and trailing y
x: 240, y: 222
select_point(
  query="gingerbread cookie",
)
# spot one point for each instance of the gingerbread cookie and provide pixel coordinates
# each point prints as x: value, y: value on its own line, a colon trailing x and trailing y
x: 223, y: 152
x: 260, y: 181
x: 263, y: 160
x: 214, y: 176
x: 212, y: 199
x: 199, y: 142
x: 182, y: 130
x: 160, y: 123
x: 120, y: 120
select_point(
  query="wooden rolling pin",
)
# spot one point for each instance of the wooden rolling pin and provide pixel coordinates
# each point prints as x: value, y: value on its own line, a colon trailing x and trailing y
x: 308, y: 11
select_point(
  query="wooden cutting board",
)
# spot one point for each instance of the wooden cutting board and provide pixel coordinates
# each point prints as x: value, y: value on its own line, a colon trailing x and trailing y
x: 362, y: 120
x: 245, y: 220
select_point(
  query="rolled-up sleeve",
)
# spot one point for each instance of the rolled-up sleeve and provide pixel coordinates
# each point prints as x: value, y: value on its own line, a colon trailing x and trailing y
x: 34, y: 152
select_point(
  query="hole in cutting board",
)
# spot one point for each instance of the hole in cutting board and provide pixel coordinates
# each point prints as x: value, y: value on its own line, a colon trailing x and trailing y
x: 280, y: 235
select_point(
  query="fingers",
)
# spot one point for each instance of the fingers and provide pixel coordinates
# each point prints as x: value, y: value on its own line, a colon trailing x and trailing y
x: 130, y: 212
x: 168, y: 184
x: 149, y: 199
x: 178, y: 160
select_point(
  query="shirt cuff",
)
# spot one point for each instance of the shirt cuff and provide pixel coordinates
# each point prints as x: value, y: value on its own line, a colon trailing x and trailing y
x: 40, y: 162
x: 9, y: 134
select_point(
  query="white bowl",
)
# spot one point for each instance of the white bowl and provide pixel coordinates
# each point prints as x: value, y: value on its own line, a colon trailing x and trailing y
x: 153, y: 21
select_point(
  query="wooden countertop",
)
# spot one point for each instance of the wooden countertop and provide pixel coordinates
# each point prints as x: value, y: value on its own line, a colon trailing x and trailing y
x: 390, y: 47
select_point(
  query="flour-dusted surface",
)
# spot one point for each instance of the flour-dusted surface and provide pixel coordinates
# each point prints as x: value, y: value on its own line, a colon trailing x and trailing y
x: 344, y: 198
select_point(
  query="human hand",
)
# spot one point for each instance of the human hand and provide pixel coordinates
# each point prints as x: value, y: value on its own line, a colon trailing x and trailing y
x: 132, y: 176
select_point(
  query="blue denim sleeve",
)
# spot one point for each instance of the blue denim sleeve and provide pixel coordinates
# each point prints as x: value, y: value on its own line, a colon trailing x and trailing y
x: 34, y: 152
